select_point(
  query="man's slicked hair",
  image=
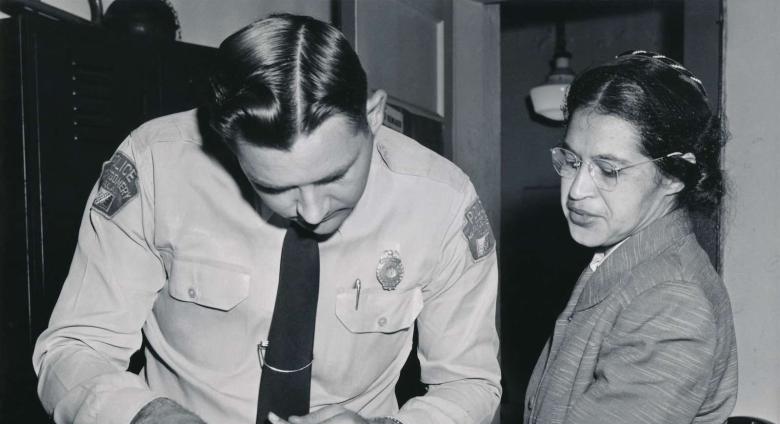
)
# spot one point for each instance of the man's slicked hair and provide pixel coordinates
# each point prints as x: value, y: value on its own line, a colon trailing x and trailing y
x: 281, y: 77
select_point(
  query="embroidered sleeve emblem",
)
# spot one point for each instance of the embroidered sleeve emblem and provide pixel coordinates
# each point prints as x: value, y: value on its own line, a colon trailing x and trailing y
x: 118, y: 185
x: 477, y: 231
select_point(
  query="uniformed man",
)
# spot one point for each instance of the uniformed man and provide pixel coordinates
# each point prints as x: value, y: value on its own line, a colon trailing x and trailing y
x: 280, y: 222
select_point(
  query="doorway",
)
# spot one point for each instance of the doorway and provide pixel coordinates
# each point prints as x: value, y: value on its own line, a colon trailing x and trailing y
x: 539, y: 261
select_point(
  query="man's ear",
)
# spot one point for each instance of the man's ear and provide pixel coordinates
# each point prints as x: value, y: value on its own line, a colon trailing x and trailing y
x: 375, y: 110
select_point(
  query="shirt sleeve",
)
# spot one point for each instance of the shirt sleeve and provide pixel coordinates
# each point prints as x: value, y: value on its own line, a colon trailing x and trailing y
x: 656, y: 364
x: 458, y: 342
x: 81, y: 359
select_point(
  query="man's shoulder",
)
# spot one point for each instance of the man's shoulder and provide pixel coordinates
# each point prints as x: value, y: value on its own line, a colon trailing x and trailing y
x: 405, y: 156
x: 177, y: 127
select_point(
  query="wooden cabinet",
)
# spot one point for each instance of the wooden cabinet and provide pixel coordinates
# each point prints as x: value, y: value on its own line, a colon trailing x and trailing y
x: 70, y: 94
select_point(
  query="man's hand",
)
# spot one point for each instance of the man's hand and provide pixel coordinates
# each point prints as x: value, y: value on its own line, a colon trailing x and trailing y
x: 333, y: 414
x: 163, y: 410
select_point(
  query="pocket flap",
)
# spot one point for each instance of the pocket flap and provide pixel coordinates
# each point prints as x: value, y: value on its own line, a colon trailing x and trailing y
x: 379, y: 311
x: 218, y: 286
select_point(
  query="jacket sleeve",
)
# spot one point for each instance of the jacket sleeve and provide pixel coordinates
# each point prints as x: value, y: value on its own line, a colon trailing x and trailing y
x: 657, y: 362
x: 458, y: 342
x: 81, y: 359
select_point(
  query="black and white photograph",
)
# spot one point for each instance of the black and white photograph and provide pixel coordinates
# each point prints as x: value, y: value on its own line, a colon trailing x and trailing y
x: 389, y: 212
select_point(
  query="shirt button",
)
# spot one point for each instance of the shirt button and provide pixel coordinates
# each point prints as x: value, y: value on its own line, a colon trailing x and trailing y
x: 382, y: 321
x: 192, y: 292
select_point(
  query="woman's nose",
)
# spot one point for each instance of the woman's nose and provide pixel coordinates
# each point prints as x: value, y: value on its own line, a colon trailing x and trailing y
x: 583, y: 184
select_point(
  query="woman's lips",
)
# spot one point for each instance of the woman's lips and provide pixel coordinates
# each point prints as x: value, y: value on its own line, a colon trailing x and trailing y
x: 580, y: 216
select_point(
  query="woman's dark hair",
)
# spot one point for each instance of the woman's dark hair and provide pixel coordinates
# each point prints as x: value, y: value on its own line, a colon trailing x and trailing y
x: 283, y: 76
x: 668, y: 107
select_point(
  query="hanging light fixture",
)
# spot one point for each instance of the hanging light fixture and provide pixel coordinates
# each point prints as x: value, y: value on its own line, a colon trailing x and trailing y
x: 548, y: 98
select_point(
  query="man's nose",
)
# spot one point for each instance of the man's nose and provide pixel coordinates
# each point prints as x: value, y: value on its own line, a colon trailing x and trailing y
x: 312, y: 206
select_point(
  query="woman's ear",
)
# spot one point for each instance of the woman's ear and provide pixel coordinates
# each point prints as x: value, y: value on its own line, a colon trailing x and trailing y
x: 676, y: 186
x: 672, y: 186
x: 375, y: 110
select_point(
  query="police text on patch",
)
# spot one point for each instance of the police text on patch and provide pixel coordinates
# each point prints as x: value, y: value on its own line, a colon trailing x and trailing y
x: 118, y: 185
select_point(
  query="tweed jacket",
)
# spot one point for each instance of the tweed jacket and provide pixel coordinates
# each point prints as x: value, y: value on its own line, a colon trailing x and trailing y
x: 647, y: 338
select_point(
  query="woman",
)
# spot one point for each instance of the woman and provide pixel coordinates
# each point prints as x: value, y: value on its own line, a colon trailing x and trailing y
x: 647, y: 336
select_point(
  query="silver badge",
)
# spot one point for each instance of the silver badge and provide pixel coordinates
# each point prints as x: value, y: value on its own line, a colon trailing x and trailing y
x: 390, y: 270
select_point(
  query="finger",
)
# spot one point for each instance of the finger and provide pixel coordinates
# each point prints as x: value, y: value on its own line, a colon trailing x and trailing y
x: 275, y: 419
x: 318, y: 416
x: 347, y: 417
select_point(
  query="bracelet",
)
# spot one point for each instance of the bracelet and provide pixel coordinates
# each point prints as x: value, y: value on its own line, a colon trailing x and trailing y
x: 393, y: 420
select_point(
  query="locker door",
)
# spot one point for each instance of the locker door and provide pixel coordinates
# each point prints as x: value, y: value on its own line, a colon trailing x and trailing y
x: 401, y: 44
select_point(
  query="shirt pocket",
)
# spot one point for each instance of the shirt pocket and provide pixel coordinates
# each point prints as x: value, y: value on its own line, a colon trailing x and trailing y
x: 378, y: 311
x: 211, y: 284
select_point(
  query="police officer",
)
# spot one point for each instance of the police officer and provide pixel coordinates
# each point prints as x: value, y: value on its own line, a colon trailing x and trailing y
x: 202, y: 221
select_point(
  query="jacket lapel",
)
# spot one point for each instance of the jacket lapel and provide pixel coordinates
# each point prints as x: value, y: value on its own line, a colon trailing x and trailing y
x: 640, y: 247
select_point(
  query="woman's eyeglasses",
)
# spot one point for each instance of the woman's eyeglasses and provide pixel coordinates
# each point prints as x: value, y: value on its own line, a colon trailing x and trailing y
x: 604, y: 174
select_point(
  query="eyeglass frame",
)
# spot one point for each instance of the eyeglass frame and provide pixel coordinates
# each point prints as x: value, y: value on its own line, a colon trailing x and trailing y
x: 591, y: 166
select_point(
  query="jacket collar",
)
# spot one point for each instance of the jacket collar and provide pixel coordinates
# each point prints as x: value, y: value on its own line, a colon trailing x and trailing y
x: 639, y: 247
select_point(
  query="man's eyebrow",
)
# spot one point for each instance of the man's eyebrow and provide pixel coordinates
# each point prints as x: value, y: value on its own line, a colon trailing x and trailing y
x: 265, y: 187
x: 335, y: 175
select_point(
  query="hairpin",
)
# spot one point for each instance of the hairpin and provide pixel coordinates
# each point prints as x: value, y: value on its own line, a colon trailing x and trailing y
x: 670, y: 63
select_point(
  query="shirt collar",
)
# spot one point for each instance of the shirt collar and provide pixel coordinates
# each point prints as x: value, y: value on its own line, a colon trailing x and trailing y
x: 600, y: 257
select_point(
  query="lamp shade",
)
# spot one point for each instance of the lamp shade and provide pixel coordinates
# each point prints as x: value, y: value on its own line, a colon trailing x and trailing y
x: 548, y: 100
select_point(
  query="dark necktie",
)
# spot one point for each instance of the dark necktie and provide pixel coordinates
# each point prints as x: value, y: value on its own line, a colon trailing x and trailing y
x: 285, y: 384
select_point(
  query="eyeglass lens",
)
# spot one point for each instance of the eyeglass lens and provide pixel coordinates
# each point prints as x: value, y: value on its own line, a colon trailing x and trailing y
x: 566, y: 164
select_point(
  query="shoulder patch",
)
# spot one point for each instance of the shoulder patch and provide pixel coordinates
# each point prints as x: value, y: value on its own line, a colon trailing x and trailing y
x: 477, y: 231
x: 118, y: 185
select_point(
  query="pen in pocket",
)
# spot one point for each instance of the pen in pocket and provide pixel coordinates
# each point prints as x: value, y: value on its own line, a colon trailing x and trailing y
x: 357, y: 293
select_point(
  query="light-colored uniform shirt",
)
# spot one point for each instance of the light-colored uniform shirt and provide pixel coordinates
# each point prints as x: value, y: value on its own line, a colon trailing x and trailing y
x: 173, y: 244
